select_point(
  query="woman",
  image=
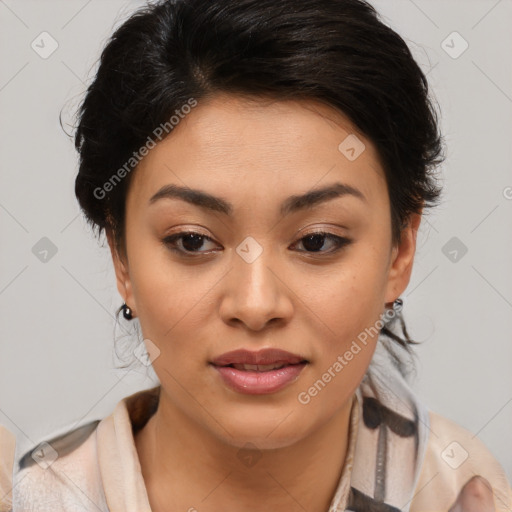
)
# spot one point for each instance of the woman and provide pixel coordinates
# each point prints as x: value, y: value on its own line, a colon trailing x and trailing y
x: 260, y: 170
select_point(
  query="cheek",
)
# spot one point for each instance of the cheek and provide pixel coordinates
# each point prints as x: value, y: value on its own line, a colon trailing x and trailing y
x: 172, y: 307
x: 174, y: 304
x: 349, y: 297
x: 346, y: 329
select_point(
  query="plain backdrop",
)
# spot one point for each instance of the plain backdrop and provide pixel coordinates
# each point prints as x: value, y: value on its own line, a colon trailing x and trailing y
x: 57, y: 365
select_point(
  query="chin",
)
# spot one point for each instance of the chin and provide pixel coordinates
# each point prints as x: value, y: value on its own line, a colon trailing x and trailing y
x: 257, y: 442
x: 264, y: 434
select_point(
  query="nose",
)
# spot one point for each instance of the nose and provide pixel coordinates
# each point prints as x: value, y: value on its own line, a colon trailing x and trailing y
x: 256, y: 293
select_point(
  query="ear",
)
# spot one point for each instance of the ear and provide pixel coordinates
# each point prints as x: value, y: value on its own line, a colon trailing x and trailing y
x: 402, y: 259
x: 122, y: 274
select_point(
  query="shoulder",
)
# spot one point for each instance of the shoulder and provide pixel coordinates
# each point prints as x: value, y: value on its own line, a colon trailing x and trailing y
x: 7, y: 450
x: 60, y: 472
x: 453, y: 456
x: 60, y: 447
x: 72, y: 472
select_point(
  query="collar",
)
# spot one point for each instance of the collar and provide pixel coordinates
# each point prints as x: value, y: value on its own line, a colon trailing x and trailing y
x: 119, y: 463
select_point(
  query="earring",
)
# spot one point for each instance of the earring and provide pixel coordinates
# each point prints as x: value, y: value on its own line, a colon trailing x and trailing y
x: 127, y: 312
x: 396, y: 305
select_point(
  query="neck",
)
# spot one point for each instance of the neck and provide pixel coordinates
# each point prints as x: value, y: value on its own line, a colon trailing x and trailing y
x: 186, y: 466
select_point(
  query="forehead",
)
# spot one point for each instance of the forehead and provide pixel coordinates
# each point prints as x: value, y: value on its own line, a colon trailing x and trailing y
x: 259, y: 146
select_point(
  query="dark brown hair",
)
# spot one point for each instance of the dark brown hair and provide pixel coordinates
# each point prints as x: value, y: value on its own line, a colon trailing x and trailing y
x: 335, y: 51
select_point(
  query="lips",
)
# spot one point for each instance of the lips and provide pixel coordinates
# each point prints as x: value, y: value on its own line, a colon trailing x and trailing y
x: 259, y: 373
x: 262, y: 360
x: 258, y: 367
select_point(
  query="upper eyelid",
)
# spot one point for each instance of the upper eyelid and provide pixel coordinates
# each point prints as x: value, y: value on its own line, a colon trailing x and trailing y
x: 318, y: 231
x: 338, y: 239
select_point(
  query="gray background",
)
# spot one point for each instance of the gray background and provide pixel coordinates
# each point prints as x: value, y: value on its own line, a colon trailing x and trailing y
x: 57, y: 367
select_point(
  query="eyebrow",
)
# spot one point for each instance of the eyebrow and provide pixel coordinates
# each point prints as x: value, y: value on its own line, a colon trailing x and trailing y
x: 290, y: 205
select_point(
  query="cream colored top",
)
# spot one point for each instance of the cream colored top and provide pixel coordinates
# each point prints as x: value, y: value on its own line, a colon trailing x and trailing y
x: 97, y: 467
x: 7, y: 448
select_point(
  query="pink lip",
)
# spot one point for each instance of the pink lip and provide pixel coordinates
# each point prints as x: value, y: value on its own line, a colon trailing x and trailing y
x: 253, y: 382
x: 264, y: 356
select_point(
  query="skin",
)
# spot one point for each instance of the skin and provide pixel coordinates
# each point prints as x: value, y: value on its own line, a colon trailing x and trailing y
x: 475, y: 496
x: 255, y: 155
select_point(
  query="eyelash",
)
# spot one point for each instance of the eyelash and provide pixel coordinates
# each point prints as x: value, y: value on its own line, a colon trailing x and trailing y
x: 170, y: 242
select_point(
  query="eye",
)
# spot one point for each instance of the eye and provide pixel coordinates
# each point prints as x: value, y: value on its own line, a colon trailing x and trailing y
x: 188, y: 243
x: 316, y: 240
x: 191, y: 241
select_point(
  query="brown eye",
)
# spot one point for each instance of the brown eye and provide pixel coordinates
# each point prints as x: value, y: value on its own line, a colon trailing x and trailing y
x: 191, y: 242
x: 313, y: 242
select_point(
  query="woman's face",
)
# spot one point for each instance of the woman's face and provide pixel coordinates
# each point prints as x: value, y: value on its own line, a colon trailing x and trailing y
x: 257, y: 280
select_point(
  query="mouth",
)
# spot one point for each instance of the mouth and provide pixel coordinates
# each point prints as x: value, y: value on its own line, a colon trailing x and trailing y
x: 262, y: 360
x: 258, y: 373
x: 261, y: 367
